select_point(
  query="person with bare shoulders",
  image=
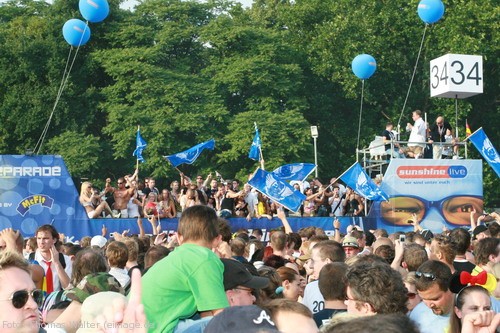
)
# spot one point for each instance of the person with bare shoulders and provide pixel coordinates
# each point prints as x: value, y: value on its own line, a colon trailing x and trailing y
x: 121, y: 195
x: 92, y: 202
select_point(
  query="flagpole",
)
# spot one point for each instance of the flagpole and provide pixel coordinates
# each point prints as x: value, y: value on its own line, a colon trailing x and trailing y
x: 343, y: 173
x: 137, y: 159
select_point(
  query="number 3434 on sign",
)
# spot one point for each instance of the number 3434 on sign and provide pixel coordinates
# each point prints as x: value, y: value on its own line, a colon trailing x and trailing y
x: 456, y: 76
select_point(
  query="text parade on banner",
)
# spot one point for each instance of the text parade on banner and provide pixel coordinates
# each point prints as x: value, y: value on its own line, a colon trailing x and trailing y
x: 37, y: 190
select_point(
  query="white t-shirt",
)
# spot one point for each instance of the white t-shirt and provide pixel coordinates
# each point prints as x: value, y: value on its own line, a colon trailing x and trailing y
x: 427, y: 321
x: 313, y: 298
x: 418, y: 133
x: 55, y: 277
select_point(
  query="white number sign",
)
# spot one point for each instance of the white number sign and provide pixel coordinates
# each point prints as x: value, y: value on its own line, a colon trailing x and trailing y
x: 456, y: 76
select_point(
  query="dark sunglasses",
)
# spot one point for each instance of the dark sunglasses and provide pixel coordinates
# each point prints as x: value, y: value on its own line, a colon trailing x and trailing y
x: 20, y: 298
x: 411, y: 295
x: 428, y: 276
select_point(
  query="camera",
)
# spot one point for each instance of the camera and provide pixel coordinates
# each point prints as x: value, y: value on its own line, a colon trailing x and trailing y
x: 402, y: 238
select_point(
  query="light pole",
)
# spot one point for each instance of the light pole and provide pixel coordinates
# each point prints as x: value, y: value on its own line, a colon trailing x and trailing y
x: 314, y: 134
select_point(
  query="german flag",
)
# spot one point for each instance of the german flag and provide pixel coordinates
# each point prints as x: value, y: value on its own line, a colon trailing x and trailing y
x: 468, y: 132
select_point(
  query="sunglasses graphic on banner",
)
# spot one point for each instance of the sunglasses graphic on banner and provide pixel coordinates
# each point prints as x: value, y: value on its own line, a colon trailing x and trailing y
x: 456, y: 209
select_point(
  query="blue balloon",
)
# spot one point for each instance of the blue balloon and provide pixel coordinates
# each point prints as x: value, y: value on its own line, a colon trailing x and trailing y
x: 76, y: 32
x: 363, y: 66
x: 430, y: 11
x: 94, y: 10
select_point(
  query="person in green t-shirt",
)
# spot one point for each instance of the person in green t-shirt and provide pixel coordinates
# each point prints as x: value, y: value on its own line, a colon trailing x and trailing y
x: 184, y: 290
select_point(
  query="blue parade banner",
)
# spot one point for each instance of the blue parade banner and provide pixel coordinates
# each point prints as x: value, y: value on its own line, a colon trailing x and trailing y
x: 37, y: 190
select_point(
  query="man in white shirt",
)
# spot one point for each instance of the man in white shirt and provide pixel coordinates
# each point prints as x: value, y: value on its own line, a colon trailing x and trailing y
x: 57, y: 267
x: 117, y: 254
x: 418, y: 134
x: 433, y: 314
x: 322, y: 253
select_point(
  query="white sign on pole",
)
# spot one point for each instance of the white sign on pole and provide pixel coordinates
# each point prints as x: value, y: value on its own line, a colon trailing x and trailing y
x: 456, y: 76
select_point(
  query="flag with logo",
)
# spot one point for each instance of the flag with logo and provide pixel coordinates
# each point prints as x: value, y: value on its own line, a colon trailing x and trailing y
x: 278, y: 190
x: 357, y: 179
x: 255, y: 149
x: 468, y: 132
x: 190, y: 155
x: 486, y: 148
x: 140, y: 145
x: 294, y: 171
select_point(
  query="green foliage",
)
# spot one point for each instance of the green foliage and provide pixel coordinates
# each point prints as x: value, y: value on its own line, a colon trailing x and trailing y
x: 80, y: 152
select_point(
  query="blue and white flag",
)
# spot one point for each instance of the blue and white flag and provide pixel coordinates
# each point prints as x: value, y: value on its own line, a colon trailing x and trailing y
x: 294, y: 171
x: 190, y: 155
x: 140, y: 144
x: 357, y: 179
x: 255, y: 149
x: 276, y: 189
x: 486, y: 148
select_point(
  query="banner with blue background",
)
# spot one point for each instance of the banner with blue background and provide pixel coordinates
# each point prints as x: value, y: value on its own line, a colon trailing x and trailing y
x: 441, y: 193
x: 37, y: 190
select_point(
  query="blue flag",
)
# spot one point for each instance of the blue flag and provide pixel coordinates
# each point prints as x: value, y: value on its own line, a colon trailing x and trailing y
x: 255, y: 149
x: 140, y: 144
x: 276, y: 189
x: 357, y: 179
x: 190, y: 155
x: 486, y: 148
x: 294, y: 171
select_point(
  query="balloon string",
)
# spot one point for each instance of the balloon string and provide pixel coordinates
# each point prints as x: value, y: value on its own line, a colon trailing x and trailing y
x: 64, y: 81
x: 413, y: 75
x: 360, y: 114
x: 59, y: 92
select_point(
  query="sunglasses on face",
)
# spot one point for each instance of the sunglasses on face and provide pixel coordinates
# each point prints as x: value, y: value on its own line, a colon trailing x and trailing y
x: 411, y: 295
x: 20, y: 298
x: 454, y: 209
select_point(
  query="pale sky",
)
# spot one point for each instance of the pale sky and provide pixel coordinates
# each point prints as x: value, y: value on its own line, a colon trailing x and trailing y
x: 130, y: 3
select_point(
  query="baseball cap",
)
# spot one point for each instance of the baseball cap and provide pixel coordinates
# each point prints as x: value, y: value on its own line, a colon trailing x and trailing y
x: 479, y: 229
x: 99, y: 241
x: 241, y: 319
x: 92, y: 284
x: 235, y: 274
x: 427, y: 234
x: 350, y: 241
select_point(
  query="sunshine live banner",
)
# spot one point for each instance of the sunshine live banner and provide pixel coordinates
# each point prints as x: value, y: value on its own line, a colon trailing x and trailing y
x: 37, y: 190
x: 437, y: 193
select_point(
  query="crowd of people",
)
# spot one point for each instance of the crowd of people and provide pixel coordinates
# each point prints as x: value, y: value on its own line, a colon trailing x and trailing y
x: 204, y: 278
x: 136, y: 198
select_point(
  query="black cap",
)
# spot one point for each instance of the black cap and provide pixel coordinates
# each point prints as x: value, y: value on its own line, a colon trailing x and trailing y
x: 479, y: 229
x: 427, y: 234
x: 235, y: 274
x: 242, y: 319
